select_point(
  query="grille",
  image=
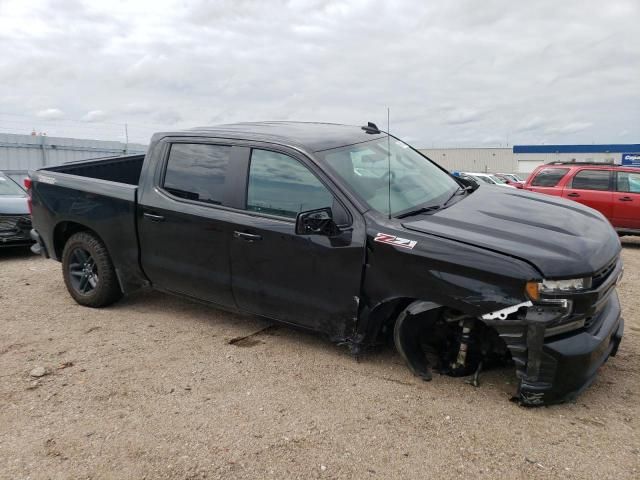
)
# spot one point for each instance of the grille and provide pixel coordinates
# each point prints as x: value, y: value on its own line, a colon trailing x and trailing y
x: 601, y: 275
x: 11, y: 223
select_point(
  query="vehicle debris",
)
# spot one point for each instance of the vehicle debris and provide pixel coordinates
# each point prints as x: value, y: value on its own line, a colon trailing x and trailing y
x: 249, y: 340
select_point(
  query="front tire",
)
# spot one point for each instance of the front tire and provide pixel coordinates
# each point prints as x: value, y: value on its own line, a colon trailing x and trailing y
x: 88, y: 271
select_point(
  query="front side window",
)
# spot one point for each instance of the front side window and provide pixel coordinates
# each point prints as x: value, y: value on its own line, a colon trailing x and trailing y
x: 549, y: 177
x: 280, y: 185
x: 197, y: 171
x: 591, y: 180
x: 628, y: 182
x: 9, y: 188
x: 369, y: 168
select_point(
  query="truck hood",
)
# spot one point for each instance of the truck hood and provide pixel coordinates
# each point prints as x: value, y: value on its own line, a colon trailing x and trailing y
x: 561, y: 238
x: 13, y: 205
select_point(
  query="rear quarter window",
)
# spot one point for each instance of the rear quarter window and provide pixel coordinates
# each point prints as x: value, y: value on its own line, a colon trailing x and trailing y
x: 548, y: 177
x: 629, y: 182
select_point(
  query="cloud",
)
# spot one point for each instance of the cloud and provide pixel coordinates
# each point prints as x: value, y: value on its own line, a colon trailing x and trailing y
x: 451, y: 73
x: 572, y: 127
x: 529, y: 124
x: 461, y: 116
x: 94, y: 116
x: 50, y: 114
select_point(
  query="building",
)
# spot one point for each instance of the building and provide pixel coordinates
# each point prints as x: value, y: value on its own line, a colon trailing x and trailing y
x: 28, y: 152
x: 525, y: 158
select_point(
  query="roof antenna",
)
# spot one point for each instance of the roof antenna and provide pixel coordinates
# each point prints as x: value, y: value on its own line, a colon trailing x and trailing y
x: 389, y: 160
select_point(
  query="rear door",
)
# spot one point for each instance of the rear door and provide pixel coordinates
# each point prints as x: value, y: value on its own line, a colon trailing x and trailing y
x: 547, y: 180
x: 593, y: 188
x: 626, y: 200
x: 185, y: 222
x: 308, y: 280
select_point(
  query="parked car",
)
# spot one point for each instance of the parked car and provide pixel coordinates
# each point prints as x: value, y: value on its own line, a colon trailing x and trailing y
x: 612, y: 190
x: 15, y: 221
x: 348, y: 232
x: 488, y: 178
x: 511, y: 179
x: 18, y: 176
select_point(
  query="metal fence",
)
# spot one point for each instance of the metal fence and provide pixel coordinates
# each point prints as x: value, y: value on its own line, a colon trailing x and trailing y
x: 28, y: 152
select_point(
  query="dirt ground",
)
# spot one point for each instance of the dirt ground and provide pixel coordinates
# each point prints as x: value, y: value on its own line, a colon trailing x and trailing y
x: 152, y: 388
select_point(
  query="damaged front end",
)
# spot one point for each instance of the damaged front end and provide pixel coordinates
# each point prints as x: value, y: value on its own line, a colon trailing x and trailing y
x: 557, y: 340
x: 563, y: 336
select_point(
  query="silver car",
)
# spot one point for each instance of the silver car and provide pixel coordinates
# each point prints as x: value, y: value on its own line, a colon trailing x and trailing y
x: 15, y: 219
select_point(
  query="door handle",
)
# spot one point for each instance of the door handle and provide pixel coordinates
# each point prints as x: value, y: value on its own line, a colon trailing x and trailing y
x: 626, y: 199
x: 249, y: 237
x: 153, y: 217
x: 573, y: 194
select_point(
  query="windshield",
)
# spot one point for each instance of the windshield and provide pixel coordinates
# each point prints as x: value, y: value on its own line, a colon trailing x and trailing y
x: 9, y: 187
x: 484, y: 179
x: 18, y: 177
x: 415, y: 181
x: 497, y: 180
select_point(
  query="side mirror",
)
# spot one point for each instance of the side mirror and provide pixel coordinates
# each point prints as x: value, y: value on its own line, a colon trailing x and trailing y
x: 316, y: 222
x: 467, y: 182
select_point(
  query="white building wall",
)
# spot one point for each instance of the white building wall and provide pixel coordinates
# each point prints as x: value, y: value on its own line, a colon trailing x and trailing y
x: 26, y: 152
x: 474, y: 159
x: 503, y: 160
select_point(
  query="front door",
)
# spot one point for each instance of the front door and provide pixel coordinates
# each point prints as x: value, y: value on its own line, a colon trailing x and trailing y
x: 626, y: 201
x: 592, y: 188
x: 308, y: 280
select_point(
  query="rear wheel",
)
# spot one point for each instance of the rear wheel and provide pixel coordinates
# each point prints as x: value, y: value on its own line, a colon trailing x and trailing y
x: 88, y: 271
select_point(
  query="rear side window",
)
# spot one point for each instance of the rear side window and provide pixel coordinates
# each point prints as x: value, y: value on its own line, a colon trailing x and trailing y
x: 591, y: 180
x: 628, y: 182
x: 548, y: 177
x: 280, y: 185
x: 197, y: 172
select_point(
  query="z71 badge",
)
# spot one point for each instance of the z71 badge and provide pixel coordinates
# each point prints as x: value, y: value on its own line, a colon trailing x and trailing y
x: 393, y: 240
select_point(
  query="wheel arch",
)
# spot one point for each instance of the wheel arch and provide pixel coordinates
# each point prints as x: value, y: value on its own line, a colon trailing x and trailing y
x: 406, y: 334
x: 381, y: 317
x: 63, y: 231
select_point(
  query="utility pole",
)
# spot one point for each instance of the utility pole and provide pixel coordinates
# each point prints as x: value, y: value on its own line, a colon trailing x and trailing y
x: 126, y: 139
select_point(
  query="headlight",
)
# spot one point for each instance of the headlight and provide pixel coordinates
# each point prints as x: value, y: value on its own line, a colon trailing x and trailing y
x: 534, y: 289
x: 559, y: 286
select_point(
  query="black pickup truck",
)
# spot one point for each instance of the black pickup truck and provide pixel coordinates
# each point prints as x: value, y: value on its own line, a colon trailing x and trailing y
x: 349, y: 232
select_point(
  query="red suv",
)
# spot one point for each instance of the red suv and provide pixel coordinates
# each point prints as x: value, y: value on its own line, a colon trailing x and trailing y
x: 614, y: 191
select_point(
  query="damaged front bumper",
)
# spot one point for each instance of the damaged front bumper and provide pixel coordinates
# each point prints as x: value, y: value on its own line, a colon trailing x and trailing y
x: 14, y: 230
x: 555, y: 363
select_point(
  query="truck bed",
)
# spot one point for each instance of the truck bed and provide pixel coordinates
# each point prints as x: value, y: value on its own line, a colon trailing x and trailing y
x: 124, y: 169
x: 99, y: 195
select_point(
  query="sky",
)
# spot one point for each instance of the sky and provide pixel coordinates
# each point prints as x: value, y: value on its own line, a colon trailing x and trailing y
x: 455, y: 73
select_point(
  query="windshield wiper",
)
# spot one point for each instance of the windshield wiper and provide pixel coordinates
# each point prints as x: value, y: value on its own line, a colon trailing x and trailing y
x: 418, y: 211
x: 433, y: 208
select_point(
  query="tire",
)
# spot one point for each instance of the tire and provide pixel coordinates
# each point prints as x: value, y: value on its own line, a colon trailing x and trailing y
x: 88, y: 271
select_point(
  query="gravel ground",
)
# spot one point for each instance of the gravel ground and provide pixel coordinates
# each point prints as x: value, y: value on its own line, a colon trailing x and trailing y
x: 152, y: 388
